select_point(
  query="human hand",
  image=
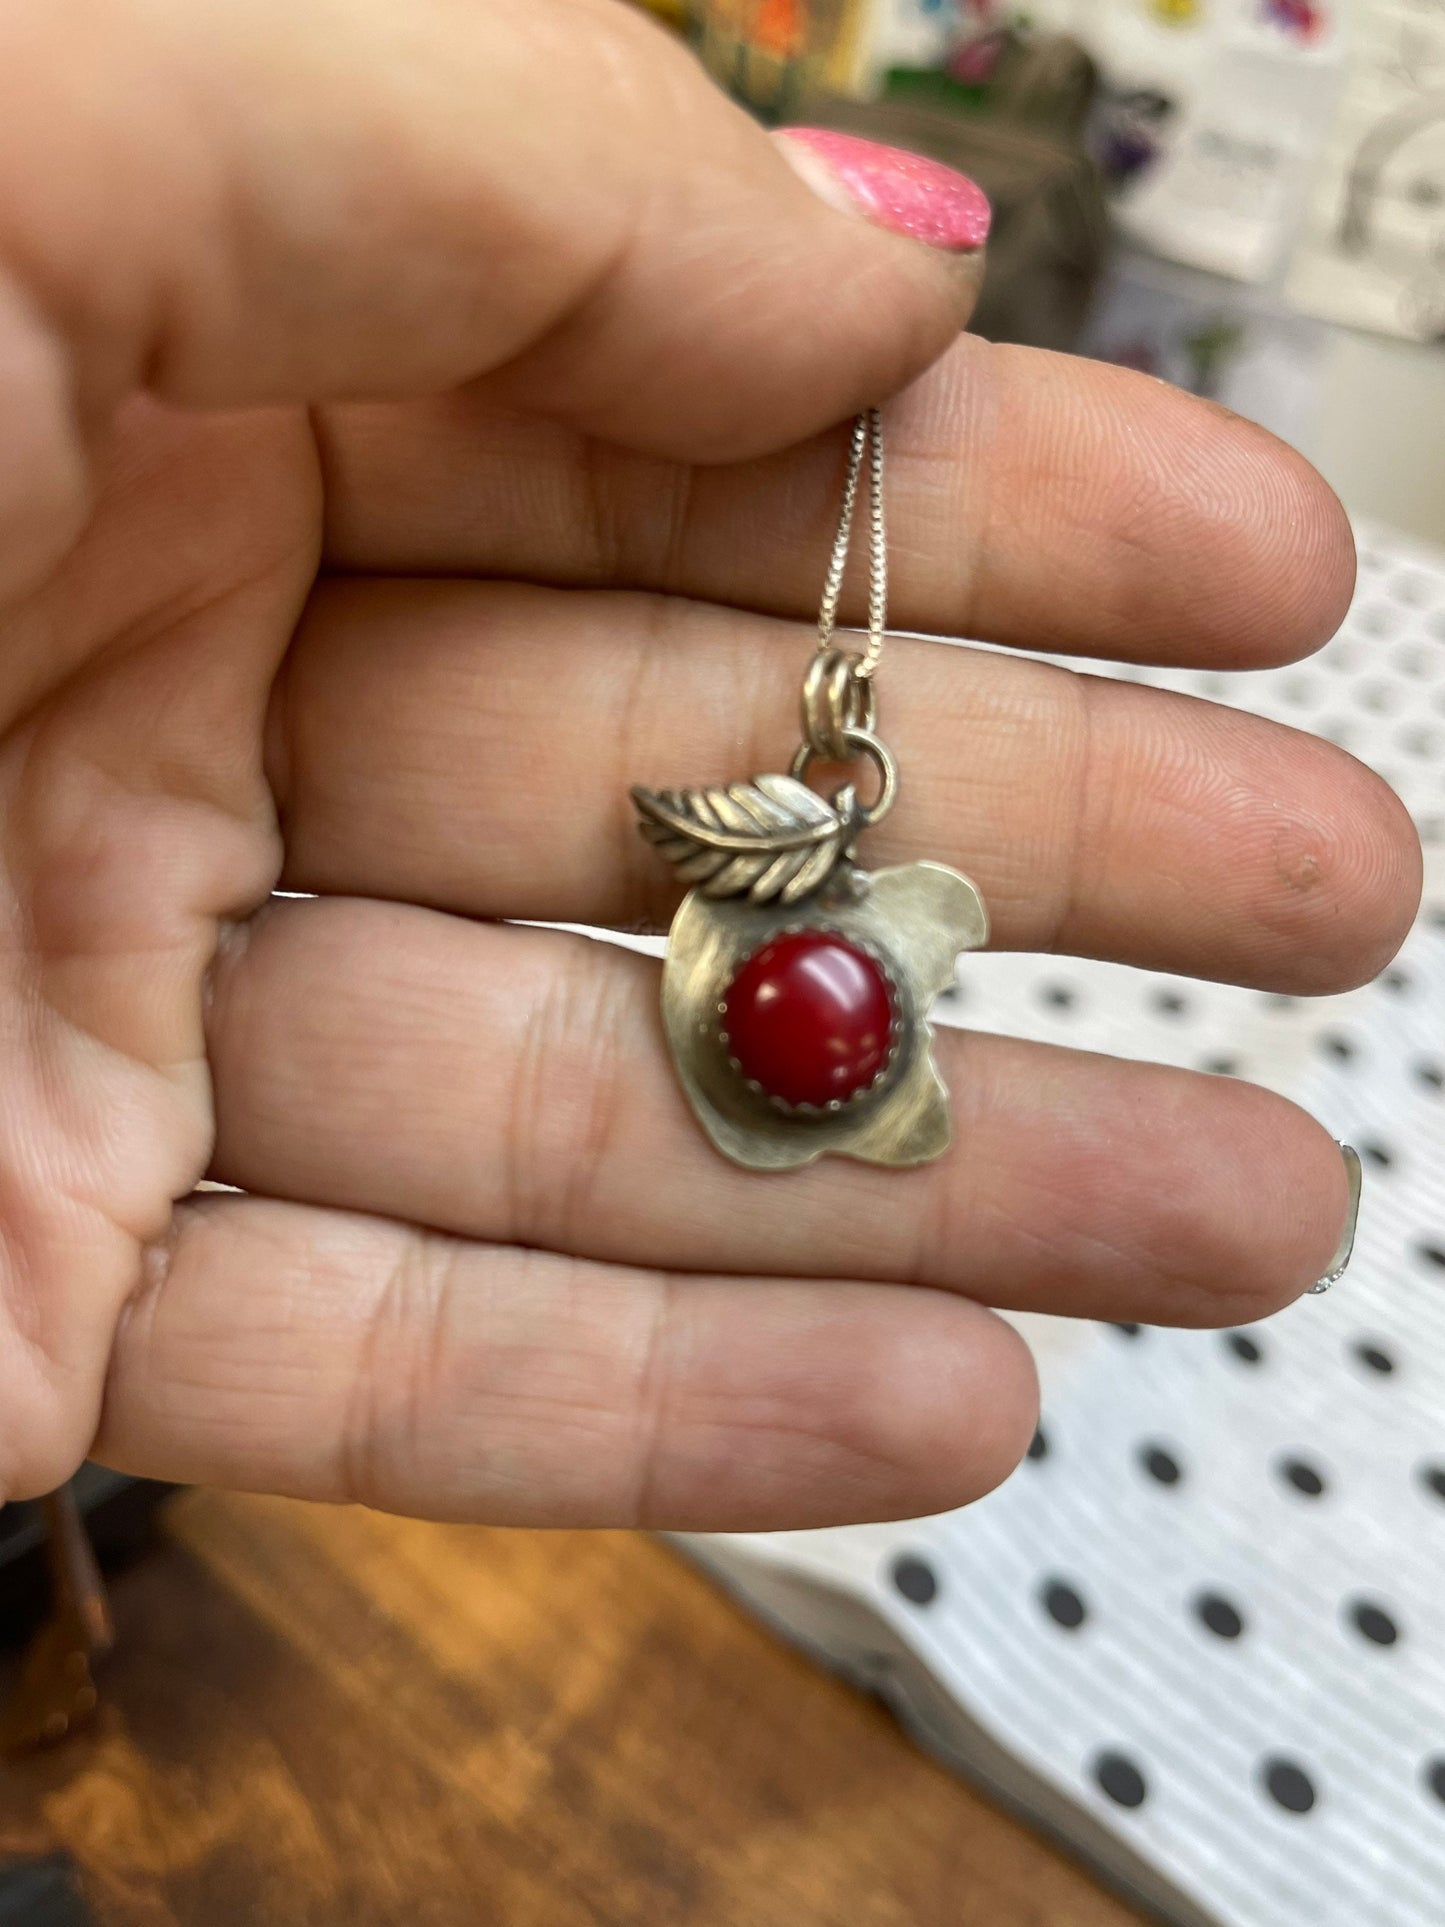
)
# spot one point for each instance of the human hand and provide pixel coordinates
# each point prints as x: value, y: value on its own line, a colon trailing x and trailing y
x: 418, y: 422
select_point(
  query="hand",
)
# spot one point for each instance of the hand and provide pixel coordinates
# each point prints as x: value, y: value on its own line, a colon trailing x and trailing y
x: 417, y: 422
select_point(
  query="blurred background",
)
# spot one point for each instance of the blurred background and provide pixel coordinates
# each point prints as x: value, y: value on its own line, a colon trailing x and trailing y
x: 1244, y: 196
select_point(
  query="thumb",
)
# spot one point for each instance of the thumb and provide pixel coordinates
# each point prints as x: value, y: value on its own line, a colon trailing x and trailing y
x: 242, y: 201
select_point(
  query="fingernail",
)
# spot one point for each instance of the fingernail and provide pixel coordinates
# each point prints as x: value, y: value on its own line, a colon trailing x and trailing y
x: 907, y: 193
x: 1344, y: 1251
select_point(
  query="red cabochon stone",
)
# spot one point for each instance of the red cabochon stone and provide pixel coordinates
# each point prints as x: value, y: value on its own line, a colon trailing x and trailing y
x: 809, y: 1018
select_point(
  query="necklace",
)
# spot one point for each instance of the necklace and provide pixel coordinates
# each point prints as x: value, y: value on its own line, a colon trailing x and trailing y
x: 797, y: 986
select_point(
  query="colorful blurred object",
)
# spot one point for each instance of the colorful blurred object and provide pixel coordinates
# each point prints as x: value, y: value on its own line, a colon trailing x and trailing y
x: 1129, y: 131
x: 1297, y: 17
x: 770, y: 53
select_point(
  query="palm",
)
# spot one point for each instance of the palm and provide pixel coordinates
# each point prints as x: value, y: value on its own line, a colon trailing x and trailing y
x: 138, y: 822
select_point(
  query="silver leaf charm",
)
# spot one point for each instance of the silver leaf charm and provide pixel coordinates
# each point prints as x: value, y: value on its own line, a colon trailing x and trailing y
x: 772, y: 840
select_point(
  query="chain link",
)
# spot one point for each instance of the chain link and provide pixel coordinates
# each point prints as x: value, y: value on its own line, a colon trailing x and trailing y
x: 867, y: 440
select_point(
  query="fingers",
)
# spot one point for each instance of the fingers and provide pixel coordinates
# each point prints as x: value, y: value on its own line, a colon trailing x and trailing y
x: 1034, y: 499
x: 344, y: 1358
x: 254, y: 201
x: 512, y: 1085
x: 471, y: 746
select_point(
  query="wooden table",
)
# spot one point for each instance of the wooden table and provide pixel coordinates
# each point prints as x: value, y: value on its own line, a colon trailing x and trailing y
x: 330, y: 1718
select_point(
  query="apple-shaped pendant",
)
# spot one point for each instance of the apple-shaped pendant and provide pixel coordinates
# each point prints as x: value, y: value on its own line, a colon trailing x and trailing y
x: 797, y: 986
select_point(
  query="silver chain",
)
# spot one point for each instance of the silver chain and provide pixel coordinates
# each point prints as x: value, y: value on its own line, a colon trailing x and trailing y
x: 867, y: 439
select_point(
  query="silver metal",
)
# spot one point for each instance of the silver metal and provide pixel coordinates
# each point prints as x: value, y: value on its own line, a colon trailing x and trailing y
x: 771, y: 839
x: 917, y: 918
x: 836, y: 697
x: 867, y: 438
x: 859, y: 742
x: 1344, y: 1250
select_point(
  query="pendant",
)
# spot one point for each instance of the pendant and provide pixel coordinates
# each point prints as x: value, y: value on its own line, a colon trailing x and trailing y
x: 797, y: 985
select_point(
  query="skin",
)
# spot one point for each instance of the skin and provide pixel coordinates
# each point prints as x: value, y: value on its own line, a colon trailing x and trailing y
x: 418, y: 421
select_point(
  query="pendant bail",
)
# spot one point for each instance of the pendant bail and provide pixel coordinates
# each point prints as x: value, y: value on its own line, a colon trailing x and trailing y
x: 837, y: 698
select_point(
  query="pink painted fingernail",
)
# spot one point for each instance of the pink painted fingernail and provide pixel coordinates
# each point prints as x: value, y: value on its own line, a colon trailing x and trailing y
x: 905, y: 192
